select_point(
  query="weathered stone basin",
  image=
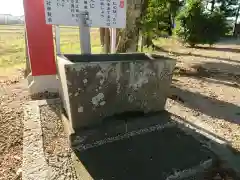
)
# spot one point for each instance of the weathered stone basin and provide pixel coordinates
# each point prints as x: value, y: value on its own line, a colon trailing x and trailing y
x: 100, y: 85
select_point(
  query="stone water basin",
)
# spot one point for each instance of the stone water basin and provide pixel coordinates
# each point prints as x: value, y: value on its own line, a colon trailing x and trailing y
x: 97, y: 86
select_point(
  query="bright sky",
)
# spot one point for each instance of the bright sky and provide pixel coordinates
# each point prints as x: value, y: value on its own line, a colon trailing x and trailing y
x: 14, y: 7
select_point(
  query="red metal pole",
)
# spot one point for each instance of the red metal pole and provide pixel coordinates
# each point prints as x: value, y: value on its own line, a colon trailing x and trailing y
x: 39, y: 38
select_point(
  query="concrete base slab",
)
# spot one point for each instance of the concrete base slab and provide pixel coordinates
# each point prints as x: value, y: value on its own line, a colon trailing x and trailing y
x: 41, y: 84
x: 150, y: 147
x: 154, y: 146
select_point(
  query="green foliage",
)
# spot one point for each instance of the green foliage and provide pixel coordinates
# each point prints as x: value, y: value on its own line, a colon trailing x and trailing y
x: 152, y: 17
x: 159, y: 16
x: 195, y: 26
x: 188, y: 26
x: 228, y: 7
x: 216, y: 26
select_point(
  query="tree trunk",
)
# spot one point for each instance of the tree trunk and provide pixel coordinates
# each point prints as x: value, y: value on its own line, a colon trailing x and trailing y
x: 236, y: 20
x: 237, y: 14
x: 141, y: 42
x: 128, y: 37
x: 102, y: 32
x: 146, y: 39
x: 169, y: 29
x: 106, y: 40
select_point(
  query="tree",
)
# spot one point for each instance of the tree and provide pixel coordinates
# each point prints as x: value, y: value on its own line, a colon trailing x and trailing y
x: 153, y: 18
x: 216, y: 27
x: 236, y: 20
x: 213, y: 5
x: 196, y: 26
x: 228, y: 7
x: 127, y: 38
x: 237, y: 14
x: 159, y: 18
x: 189, y: 28
x: 161, y: 14
x: 172, y: 8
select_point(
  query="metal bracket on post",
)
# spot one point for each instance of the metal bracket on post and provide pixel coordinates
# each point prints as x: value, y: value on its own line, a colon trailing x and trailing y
x: 57, y: 40
x: 84, y: 30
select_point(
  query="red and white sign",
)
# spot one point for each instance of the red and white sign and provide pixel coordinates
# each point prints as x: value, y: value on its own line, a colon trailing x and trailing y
x: 39, y: 39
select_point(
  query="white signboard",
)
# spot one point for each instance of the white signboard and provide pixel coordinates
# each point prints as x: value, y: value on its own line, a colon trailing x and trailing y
x: 100, y: 13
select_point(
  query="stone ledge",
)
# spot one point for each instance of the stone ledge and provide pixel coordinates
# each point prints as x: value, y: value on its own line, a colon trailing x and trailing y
x: 34, y: 163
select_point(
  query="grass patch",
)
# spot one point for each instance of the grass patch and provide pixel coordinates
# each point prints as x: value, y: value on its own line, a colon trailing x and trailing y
x: 12, y: 48
x: 70, y: 41
x: 12, y: 45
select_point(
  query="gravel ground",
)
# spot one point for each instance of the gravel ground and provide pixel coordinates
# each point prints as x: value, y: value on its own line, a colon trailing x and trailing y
x: 216, y: 106
x: 11, y: 140
x: 207, y: 80
x: 12, y: 95
x: 55, y: 142
x: 213, y: 97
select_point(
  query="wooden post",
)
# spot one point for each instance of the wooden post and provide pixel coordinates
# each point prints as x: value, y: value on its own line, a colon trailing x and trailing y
x: 84, y: 30
x: 102, y: 32
x: 107, y: 41
x: 57, y: 40
x: 27, y: 65
x: 113, y: 40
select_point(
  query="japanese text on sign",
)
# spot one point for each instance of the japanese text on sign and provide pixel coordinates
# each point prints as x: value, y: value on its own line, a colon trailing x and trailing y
x: 99, y: 13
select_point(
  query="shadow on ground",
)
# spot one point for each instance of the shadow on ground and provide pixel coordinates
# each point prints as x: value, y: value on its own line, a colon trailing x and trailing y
x: 229, y: 41
x: 159, y: 49
x: 234, y: 50
x: 149, y: 147
x: 231, y: 70
x: 219, y: 109
x: 213, y: 72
